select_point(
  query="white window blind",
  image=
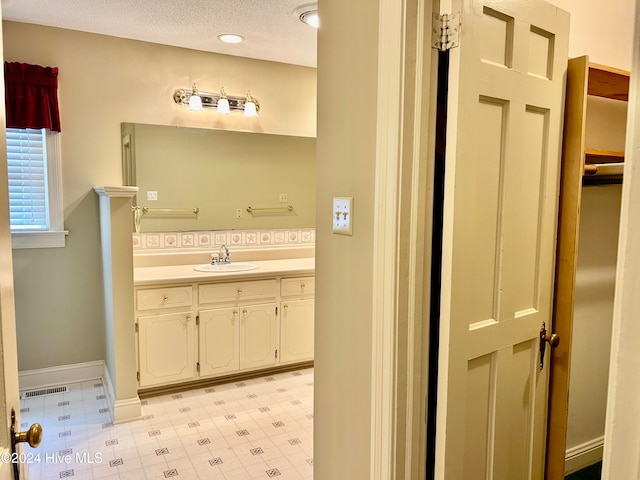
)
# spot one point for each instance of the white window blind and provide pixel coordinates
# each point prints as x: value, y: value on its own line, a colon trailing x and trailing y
x: 27, y: 169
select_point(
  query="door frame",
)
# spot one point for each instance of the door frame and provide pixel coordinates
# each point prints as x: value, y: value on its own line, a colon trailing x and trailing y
x: 572, y: 170
x: 404, y: 174
x: 9, y: 389
x: 622, y: 431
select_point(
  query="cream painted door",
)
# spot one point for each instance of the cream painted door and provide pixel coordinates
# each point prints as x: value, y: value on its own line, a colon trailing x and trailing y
x: 218, y: 338
x: 506, y: 87
x: 166, y: 348
x: 9, y: 396
x: 296, y: 331
x: 257, y: 335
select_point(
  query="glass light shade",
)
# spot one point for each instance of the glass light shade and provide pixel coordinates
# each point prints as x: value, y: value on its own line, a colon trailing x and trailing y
x: 195, y: 103
x: 250, y: 109
x: 223, y: 106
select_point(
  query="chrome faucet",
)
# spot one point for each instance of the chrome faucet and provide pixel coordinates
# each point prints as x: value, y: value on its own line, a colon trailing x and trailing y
x: 224, y: 257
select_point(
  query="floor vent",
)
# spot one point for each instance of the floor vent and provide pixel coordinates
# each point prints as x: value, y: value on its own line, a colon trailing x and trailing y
x: 44, y: 391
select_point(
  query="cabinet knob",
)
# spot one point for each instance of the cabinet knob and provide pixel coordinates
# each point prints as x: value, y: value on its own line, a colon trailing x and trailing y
x: 165, y: 298
x: 286, y: 307
x: 244, y: 312
x: 235, y: 313
x: 188, y: 318
x: 302, y: 286
x: 239, y: 291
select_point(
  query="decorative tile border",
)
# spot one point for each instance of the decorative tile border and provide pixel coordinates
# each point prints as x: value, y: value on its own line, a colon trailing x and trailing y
x: 215, y: 238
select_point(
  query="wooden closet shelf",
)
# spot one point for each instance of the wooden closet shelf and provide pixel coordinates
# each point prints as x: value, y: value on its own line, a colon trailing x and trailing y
x: 608, y: 82
x: 594, y: 156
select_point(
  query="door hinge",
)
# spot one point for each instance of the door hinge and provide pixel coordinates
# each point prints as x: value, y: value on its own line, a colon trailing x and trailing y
x: 198, y: 319
x: 276, y: 311
x: 445, y: 31
x: 198, y: 366
x: 138, y: 375
x: 137, y: 327
x: 276, y: 353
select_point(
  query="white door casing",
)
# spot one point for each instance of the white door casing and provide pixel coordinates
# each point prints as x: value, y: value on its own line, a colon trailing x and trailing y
x: 9, y: 397
x: 506, y: 88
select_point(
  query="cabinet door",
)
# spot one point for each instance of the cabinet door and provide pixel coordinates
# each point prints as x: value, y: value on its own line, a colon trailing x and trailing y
x: 257, y: 335
x: 166, y: 348
x: 219, y: 341
x: 296, y: 331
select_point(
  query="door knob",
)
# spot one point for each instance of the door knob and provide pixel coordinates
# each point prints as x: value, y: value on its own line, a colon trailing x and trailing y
x: 33, y: 436
x: 552, y: 339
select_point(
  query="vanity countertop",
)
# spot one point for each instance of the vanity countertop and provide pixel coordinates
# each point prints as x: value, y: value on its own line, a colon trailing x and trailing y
x: 185, y: 273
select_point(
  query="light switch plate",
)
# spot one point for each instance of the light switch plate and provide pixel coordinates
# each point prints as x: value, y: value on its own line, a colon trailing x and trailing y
x: 343, y: 215
x: 152, y: 195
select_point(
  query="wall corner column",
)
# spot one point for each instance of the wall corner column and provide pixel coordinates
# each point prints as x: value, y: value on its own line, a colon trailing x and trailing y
x: 117, y: 270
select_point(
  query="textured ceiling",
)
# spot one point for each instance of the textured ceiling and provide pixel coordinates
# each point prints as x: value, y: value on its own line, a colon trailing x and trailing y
x: 271, y: 29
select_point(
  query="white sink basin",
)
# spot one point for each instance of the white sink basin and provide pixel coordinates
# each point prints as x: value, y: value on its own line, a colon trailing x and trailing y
x: 226, y: 267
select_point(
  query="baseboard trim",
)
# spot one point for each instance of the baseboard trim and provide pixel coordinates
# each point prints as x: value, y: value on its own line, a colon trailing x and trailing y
x: 583, y: 455
x: 51, y: 376
x: 123, y: 410
x: 213, y: 381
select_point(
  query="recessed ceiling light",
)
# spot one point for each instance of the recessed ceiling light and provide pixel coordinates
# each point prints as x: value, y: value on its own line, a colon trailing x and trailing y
x: 307, y: 13
x: 230, y: 38
x: 310, y: 18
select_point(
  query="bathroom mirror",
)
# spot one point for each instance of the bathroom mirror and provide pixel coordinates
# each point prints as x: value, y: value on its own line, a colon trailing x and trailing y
x: 220, y: 174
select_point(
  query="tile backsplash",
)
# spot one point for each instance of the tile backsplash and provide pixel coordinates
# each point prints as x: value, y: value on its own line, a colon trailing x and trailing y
x: 237, y: 238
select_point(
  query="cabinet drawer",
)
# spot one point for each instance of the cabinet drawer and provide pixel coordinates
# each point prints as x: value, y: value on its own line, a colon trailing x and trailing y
x: 297, y: 286
x: 169, y: 297
x: 234, y: 292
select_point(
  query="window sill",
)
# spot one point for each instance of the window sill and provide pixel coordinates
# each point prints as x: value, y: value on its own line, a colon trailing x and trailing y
x: 50, y: 239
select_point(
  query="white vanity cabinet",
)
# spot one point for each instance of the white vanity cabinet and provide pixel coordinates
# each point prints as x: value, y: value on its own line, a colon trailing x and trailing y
x: 240, y: 331
x: 165, y: 327
x: 213, y: 327
x: 296, y: 320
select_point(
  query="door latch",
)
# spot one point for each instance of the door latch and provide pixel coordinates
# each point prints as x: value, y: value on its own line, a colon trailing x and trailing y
x: 552, y: 339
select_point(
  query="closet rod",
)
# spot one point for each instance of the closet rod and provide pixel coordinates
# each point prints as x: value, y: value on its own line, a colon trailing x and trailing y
x: 603, y: 169
x: 603, y: 174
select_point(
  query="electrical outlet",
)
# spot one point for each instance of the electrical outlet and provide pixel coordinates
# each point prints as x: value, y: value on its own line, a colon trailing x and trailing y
x: 152, y: 195
x: 238, y: 213
x: 283, y: 198
x: 343, y: 215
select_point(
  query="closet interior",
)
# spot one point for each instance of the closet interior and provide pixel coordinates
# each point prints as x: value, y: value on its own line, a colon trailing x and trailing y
x: 589, y: 213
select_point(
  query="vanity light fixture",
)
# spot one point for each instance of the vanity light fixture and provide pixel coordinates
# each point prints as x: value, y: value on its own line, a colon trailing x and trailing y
x: 195, y: 102
x: 222, y: 102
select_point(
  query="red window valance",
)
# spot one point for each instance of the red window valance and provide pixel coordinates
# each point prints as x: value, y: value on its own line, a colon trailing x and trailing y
x: 31, y: 96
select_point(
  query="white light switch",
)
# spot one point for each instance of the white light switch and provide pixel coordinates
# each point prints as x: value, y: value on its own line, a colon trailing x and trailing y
x: 343, y: 215
x: 152, y: 195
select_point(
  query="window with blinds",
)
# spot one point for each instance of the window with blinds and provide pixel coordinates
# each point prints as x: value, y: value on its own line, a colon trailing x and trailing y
x: 27, y: 169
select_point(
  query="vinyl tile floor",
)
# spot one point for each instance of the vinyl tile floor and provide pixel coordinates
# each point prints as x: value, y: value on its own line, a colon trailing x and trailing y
x: 254, y: 429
